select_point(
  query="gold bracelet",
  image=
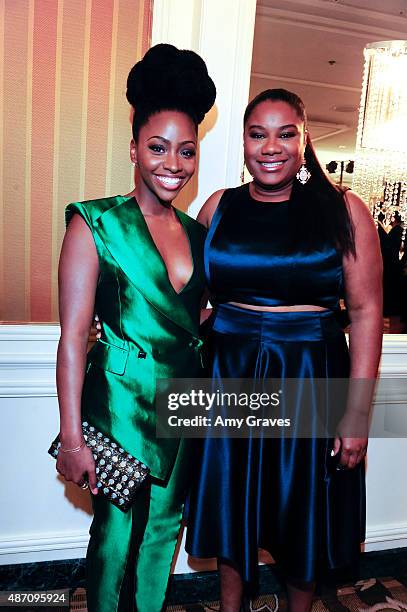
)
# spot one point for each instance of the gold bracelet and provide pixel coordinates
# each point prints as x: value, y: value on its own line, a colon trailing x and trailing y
x: 72, y: 450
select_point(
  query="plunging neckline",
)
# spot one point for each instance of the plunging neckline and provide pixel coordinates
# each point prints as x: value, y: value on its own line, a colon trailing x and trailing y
x: 160, y: 257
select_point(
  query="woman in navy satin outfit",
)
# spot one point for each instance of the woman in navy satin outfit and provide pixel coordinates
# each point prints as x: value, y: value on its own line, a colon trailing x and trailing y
x: 280, y: 252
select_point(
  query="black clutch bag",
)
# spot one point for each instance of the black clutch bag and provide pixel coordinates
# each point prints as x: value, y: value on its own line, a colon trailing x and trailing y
x: 119, y: 474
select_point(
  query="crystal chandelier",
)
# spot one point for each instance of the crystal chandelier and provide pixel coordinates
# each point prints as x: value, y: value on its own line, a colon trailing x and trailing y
x: 380, y: 175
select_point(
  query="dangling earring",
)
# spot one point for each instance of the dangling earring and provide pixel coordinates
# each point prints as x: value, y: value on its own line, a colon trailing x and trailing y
x: 303, y: 175
x: 242, y: 174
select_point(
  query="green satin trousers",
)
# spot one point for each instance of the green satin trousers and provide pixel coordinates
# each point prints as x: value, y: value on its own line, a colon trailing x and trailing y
x: 130, y: 554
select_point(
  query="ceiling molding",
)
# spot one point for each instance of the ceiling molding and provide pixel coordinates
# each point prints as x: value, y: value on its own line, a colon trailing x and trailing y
x: 327, y: 24
x: 345, y: 9
x: 335, y: 129
x: 264, y: 75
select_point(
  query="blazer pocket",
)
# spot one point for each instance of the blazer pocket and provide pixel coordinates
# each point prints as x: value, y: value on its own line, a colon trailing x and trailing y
x: 109, y: 357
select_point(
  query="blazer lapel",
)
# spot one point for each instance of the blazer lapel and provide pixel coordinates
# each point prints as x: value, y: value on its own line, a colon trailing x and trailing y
x: 125, y: 234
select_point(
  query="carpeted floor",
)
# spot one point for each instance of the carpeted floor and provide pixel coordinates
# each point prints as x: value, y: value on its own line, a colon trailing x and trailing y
x: 372, y: 595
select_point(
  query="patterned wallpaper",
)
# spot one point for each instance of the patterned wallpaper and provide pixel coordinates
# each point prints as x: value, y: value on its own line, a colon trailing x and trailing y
x: 64, y: 130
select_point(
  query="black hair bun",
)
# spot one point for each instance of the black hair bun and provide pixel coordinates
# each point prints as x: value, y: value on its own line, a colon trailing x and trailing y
x: 171, y: 78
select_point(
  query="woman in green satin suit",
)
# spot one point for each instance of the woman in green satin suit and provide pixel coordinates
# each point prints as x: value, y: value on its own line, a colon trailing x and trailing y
x: 138, y: 262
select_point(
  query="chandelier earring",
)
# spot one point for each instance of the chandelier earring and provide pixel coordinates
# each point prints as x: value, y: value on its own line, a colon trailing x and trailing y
x: 303, y: 175
x: 242, y: 178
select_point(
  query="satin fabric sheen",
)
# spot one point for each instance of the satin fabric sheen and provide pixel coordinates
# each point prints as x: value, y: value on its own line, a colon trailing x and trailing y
x: 247, y: 258
x: 282, y: 494
x: 131, y: 553
x: 149, y: 332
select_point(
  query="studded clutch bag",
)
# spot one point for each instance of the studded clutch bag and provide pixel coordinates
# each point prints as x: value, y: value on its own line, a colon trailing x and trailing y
x: 119, y: 474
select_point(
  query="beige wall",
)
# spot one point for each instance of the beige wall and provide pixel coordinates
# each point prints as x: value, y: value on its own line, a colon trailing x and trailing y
x: 64, y: 130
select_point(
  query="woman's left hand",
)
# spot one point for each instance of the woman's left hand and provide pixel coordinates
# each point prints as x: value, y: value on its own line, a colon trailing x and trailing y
x: 352, y: 451
x: 351, y: 440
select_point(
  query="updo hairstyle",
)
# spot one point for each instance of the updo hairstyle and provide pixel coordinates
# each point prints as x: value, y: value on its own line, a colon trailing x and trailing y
x: 168, y: 78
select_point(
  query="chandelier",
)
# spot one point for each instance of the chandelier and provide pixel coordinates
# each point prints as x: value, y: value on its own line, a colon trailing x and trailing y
x: 380, y: 174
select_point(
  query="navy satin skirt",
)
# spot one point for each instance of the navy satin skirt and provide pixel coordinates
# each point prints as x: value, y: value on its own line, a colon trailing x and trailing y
x: 282, y: 494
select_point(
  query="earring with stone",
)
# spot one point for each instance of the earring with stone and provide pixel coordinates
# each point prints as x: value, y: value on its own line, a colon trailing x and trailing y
x: 303, y: 175
x: 242, y: 177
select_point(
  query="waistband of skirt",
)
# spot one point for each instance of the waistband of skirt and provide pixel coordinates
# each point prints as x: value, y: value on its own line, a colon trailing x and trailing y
x: 295, y: 326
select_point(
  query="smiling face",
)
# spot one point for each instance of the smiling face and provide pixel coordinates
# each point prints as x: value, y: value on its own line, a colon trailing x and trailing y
x: 165, y: 154
x: 274, y: 144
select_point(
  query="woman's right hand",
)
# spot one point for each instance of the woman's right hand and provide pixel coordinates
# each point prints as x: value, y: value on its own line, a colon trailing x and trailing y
x: 78, y: 467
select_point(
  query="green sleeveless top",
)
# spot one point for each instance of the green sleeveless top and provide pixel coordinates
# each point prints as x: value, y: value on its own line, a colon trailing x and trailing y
x: 149, y: 330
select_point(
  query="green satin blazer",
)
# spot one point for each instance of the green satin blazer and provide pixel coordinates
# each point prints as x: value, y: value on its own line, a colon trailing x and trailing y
x: 149, y: 331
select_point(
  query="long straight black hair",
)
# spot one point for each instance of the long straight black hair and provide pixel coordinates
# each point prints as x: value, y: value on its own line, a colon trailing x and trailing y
x: 319, y: 209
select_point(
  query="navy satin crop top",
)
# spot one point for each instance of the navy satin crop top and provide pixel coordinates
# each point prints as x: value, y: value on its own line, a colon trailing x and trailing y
x: 247, y: 258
